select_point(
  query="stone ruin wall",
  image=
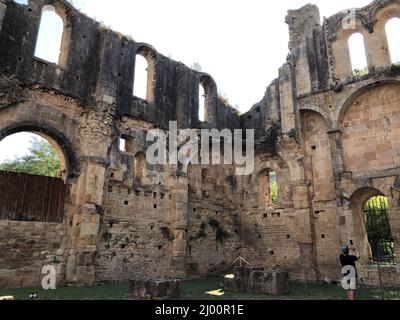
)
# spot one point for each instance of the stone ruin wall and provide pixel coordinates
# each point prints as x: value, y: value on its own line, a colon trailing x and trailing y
x: 336, y: 147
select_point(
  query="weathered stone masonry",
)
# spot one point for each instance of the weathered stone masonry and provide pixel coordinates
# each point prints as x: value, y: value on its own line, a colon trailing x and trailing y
x: 330, y: 137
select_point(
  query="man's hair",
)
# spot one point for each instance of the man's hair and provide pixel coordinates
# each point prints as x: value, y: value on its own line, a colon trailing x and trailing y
x: 345, y: 249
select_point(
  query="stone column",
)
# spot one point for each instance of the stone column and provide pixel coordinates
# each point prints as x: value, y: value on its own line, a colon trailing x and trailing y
x: 88, y: 194
x: 96, y: 126
x: 343, y: 216
x: 179, y: 224
x: 292, y: 153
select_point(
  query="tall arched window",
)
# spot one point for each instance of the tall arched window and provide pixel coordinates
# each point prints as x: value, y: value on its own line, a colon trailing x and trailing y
x: 140, y: 84
x: 140, y: 165
x: 268, y: 188
x: 393, y: 35
x: 49, y: 40
x: 357, y: 54
x: 202, y: 103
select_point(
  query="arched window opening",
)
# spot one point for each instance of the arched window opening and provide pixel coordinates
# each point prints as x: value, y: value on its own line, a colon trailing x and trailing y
x: 49, y: 40
x: 273, y: 187
x: 202, y: 103
x: 32, y: 154
x: 140, y: 166
x: 379, y: 232
x: 357, y: 55
x: 140, y: 84
x: 31, y: 171
x: 393, y: 33
x: 122, y: 144
x: 268, y: 188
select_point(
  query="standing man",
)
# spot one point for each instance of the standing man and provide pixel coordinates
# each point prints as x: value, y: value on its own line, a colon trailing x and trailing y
x: 349, y: 257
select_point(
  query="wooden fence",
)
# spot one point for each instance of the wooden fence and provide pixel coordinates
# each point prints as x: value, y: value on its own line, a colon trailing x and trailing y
x: 26, y: 197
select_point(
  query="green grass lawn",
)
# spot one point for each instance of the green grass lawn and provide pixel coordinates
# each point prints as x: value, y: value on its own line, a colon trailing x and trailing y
x: 195, y: 290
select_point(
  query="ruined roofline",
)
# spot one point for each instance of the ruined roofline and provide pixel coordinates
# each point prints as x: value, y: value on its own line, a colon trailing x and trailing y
x: 122, y: 36
x: 364, y: 14
x: 102, y: 26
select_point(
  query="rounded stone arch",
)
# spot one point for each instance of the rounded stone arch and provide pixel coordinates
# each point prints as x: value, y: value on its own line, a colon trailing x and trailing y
x: 58, y: 140
x: 150, y: 55
x: 210, y: 96
x: 383, y: 14
x: 65, y: 11
x: 339, y: 43
x: 358, y: 232
x: 343, y: 108
x: 261, y: 176
x: 368, y: 121
x: 320, y: 111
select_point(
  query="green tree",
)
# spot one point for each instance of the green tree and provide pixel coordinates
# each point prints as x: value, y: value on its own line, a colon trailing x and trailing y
x: 274, y: 192
x: 42, y: 160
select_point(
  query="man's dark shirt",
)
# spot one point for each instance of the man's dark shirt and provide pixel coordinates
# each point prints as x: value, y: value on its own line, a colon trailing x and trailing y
x: 348, y: 260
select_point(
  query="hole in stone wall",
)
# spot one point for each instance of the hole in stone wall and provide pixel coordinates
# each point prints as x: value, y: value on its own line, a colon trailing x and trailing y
x: 155, y: 206
x: 288, y: 236
x: 126, y: 203
x: 323, y: 236
x: 110, y: 189
x: 155, y: 195
x: 313, y: 147
x: 272, y: 252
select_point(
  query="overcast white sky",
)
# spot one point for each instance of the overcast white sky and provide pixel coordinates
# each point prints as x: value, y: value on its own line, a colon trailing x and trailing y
x: 241, y: 44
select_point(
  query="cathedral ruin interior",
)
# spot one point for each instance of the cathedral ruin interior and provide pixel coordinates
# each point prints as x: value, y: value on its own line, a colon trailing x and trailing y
x: 325, y: 134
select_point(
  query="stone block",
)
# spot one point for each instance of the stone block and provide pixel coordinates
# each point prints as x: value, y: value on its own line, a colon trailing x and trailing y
x: 258, y: 280
x: 155, y: 289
